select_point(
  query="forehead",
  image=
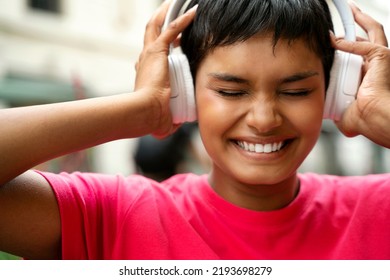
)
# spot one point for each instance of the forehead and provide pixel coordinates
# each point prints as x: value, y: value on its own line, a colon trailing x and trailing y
x: 259, y: 54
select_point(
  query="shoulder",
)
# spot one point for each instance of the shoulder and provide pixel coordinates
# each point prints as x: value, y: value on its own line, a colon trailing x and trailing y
x: 346, y: 182
x: 98, y: 186
x: 184, y: 181
x: 351, y: 189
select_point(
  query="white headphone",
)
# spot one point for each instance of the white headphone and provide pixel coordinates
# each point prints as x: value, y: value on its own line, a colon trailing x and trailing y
x: 345, y: 76
x: 182, y: 101
x: 344, y: 81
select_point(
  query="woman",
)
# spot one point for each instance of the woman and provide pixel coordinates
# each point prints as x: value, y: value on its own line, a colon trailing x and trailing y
x: 260, y: 99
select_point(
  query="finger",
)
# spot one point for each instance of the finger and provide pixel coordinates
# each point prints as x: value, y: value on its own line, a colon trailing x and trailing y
x: 348, y: 122
x: 358, y: 38
x: 361, y: 39
x: 177, y: 42
x: 362, y: 48
x: 153, y: 27
x: 374, y: 29
x: 172, y: 129
x: 174, y: 29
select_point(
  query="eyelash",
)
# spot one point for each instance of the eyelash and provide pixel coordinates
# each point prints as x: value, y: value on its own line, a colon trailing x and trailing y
x: 228, y: 93
x: 298, y: 93
x: 236, y: 94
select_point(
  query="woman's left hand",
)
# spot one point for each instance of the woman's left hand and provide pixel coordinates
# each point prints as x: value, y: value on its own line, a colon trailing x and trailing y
x: 369, y: 115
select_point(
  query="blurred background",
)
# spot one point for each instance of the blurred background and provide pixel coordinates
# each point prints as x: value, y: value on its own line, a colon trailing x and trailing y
x: 61, y: 50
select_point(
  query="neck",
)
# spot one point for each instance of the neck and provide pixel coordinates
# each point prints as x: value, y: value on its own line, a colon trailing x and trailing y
x: 262, y: 197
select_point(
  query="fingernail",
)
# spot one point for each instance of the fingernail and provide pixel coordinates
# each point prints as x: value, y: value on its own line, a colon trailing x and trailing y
x: 354, y: 4
x: 194, y: 8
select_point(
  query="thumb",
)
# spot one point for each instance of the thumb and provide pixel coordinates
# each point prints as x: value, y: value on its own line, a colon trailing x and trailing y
x: 348, y: 124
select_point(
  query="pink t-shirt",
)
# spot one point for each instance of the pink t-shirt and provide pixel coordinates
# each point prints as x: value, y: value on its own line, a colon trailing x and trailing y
x: 113, y: 217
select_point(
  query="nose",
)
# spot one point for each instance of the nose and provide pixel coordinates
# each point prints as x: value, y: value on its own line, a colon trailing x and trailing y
x: 264, y: 115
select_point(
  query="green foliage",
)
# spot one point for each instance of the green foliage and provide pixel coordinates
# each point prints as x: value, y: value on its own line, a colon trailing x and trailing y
x: 5, y: 256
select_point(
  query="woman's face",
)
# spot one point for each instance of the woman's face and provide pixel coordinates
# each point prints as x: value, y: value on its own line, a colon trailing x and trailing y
x: 259, y: 109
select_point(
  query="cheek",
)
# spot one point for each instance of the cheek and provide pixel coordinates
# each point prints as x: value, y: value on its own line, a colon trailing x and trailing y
x: 208, y: 102
x: 211, y: 108
x: 305, y: 116
x: 214, y: 119
x: 310, y: 116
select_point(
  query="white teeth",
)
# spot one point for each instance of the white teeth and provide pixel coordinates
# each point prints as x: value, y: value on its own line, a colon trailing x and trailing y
x: 267, y: 148
x: 260, y: 148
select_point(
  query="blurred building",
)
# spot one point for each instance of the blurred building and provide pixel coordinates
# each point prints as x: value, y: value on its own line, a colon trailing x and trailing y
x: 60, y: 50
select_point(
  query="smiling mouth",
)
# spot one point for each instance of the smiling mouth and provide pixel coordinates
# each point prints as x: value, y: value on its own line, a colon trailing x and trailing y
x: 262, y: 148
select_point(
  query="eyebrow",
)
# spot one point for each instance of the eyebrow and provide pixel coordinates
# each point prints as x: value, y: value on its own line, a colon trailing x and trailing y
x: 228, y: 78
x: 238, y: 80
x: 298, y: 77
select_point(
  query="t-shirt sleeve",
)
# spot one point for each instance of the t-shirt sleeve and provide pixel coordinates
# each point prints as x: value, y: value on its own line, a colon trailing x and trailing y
x: 91, y: 210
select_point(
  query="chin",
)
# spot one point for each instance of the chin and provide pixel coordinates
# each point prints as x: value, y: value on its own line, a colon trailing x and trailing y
x: 265, y: 177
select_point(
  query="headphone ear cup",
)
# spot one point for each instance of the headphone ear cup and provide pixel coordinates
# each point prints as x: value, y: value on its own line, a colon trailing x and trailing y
x: 345, y: 78
x: 331, y: 94
x: 182, y: 101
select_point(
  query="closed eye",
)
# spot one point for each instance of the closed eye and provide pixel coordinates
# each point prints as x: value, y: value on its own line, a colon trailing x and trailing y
x: 231, y: 93
x: 296, y: 93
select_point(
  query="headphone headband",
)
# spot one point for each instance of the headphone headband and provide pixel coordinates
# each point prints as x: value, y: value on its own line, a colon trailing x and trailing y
x: 347, y: 19
x: 176, y: 8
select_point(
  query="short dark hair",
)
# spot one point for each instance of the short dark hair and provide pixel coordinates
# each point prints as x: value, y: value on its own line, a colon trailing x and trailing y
x: 225, y: 22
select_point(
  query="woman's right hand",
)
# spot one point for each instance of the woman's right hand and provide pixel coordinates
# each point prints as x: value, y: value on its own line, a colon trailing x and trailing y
x: 152, y: 67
